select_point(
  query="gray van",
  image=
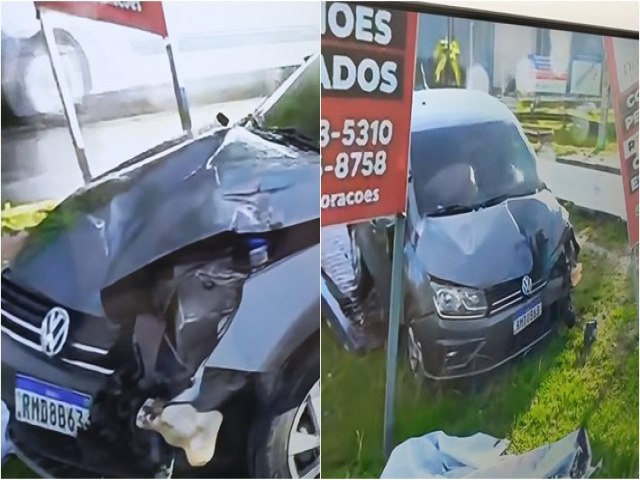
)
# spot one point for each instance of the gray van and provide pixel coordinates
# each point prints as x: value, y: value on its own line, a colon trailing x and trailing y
x: 490, y: 254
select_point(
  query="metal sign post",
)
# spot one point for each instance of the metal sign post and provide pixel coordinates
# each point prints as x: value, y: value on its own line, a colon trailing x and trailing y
x: 364, y: 175
x: 65, y: 96
x: 395, y: 314
x: 180, y: 93
x: 147, y: 16
x: 604, y: 113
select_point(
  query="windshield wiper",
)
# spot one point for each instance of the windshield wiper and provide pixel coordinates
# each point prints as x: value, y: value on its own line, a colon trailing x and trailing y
x: 450, y: 210
x: 501, y: 198
x: 492, y: 201
x: 288, y: 135
x: 296, y: 137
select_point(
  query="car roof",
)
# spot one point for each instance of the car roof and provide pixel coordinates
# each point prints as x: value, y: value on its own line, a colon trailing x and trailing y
x: 448, y: 107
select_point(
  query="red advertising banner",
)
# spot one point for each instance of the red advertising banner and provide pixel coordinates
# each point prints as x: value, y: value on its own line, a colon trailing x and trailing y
x: 147, y: 16
x: 622, y: 62
x: 368, y: 61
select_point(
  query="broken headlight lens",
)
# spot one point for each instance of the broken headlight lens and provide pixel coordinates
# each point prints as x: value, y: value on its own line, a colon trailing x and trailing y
x: 454, y: 301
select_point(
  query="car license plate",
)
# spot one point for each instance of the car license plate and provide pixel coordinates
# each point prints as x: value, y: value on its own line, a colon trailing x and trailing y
x: 50, y: 406
x: 527, y: 316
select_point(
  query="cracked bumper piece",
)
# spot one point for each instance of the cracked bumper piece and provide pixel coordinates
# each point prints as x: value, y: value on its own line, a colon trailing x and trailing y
x: 181, y: 425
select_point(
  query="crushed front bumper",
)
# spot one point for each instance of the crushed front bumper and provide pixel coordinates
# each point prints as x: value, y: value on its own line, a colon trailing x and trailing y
x: 54, y: 454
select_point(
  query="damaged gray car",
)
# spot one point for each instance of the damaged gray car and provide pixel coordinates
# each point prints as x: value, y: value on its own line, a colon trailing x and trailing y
x: 163, y: 319
x: 490, y: 255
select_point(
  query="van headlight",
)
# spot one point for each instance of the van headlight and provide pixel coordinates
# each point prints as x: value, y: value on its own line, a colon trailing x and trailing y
x: 453, y: 301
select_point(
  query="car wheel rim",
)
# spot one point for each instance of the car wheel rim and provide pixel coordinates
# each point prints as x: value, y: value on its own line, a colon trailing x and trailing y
x: 415, y: 354
x: 303, y: 448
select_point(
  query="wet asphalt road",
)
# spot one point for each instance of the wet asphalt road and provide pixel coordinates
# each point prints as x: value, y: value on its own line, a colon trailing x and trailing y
x: 40, y: 164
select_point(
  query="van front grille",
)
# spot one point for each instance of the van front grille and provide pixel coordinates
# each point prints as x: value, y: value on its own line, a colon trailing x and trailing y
x: 88, y: 342
x: 510, y: 293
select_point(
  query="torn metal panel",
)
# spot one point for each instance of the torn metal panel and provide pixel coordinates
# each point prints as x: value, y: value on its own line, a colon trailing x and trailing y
x: 198, y: 298
x: 293, y: 315
x: 353, y: 312
x: 341, y: 264
x: 235, y: 179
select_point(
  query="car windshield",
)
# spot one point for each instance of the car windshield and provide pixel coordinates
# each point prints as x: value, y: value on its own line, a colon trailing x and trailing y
x: 295, y: 106
x: 456, y: 169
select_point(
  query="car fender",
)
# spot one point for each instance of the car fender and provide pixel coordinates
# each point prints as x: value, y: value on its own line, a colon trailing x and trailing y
x: 277, y: 314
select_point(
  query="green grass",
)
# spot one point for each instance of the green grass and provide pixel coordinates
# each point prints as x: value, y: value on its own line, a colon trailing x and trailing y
x: 538, y: 399
x: 14, y: 468
x: 606, y: 231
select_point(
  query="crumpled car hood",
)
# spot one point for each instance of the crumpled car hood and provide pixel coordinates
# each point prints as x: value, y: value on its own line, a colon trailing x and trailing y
x: 231, y: 180
x: 495, y: 244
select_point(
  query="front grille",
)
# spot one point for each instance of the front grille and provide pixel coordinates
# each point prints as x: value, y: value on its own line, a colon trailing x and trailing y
x: 509, y: 293
x: 22, y: 314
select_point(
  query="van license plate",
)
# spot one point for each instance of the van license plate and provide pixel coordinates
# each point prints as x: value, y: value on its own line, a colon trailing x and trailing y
x: 50, y: 406
x: 527, y: 316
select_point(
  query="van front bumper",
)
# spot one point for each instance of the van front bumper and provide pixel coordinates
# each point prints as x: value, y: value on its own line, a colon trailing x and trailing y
x: 458, y: 348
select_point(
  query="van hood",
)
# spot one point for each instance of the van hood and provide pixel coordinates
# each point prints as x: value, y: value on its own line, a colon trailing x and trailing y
x: 232, y: 180
x: 492, y: 245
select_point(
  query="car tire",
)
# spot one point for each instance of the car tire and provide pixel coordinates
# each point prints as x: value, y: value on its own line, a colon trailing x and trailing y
x: 292, y: 421
x: 20, y: 93
x: 568, y: 313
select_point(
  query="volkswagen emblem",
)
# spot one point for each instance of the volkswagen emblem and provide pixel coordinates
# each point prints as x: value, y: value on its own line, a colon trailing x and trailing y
x: 526, y: 285
x: 54, y: 331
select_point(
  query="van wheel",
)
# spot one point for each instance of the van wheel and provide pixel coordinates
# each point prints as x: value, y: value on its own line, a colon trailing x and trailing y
x: 286, y: 439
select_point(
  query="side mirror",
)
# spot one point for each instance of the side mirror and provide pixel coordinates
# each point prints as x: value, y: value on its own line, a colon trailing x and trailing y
x: 222, y: 119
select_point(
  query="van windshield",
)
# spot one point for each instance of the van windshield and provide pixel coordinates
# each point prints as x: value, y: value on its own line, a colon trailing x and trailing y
x: 295, y: 105
x: 461, y: 168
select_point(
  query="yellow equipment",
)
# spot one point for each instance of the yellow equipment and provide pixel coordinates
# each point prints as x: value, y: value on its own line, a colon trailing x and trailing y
x: 447, y: 54
x: 22, y: 217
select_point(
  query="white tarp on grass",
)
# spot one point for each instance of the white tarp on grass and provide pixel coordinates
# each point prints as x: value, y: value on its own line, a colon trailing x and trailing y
x: 438, y: 455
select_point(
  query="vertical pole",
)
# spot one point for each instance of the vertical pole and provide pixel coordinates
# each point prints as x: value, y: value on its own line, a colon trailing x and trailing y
x: 604, y: 109
x: 180, y: 93
x: 634, y: 270
x: 65, y: 97
x: 395, y: 312
x: 471, y: 45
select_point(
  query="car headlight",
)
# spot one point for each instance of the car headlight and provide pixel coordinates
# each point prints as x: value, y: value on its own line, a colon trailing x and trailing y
x: 453, y: 301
